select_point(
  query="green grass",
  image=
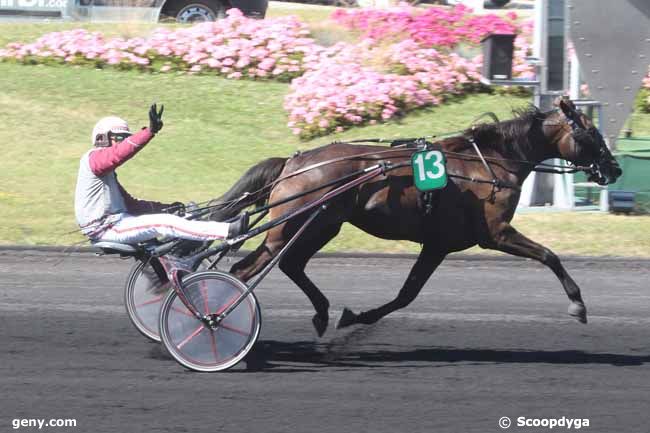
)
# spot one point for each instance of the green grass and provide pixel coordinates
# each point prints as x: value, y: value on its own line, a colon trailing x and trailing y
x: 325, y: 31
x: 566, y: 233
x: 30, y: 31
x: 214, y: 129
x: 310, y: 14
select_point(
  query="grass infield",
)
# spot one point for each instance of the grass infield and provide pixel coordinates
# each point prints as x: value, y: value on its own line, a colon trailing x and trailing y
x: 214, y: 130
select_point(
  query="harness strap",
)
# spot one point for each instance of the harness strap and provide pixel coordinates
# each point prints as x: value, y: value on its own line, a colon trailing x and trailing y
x: 335, y: 160
x: 491, y: 182
x: 487, y: 166
x: 497, y: 183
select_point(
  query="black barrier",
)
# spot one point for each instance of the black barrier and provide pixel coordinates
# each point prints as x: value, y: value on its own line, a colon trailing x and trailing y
x: 497, y: 56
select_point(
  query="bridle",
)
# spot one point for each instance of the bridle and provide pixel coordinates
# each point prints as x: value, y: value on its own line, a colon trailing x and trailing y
x: 586, y: 136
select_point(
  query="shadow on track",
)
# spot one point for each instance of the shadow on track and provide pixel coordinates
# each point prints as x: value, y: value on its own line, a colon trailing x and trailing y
x: 347, y: 352
x: 278, y: 356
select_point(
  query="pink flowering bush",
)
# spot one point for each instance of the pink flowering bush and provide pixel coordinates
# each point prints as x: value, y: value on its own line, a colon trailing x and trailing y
x: 520, y: 67
x: 345, y: 89
x: 440, y: 28
x: 431, y: 27
x: 404, y: 62
x: 235, y: 47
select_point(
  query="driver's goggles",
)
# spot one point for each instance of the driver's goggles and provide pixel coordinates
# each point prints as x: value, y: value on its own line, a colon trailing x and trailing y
x: 118, y: 136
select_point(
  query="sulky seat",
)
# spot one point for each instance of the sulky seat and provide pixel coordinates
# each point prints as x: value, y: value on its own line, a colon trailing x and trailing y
x: 117, y: 248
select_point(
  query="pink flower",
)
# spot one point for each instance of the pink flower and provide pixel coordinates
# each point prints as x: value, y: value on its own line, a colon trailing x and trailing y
x: 266, y: 64
x: 164, y: 51
x: 242, y: 62
x: 234, y: 13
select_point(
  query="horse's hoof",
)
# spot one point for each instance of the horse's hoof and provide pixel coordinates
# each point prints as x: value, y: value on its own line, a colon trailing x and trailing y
x: 578, y: 310
x: 347, y: 318
x: 320, y: 324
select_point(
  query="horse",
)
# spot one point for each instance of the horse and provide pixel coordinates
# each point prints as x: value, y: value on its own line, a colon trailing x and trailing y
x: 474, y: 208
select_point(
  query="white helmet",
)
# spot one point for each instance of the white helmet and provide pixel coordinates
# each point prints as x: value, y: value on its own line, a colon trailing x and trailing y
x: 108, y: 124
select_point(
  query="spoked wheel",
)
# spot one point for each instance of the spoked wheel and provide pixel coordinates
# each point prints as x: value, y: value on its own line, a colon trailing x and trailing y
x: 193, y: 343
x: 144, y: 294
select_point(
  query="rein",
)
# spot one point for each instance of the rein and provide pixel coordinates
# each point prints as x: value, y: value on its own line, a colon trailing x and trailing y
x: 400, y: 146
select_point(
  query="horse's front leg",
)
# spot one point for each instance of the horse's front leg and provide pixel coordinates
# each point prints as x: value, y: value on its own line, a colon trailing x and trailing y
x: 427, y: 262
x: 510, y: 241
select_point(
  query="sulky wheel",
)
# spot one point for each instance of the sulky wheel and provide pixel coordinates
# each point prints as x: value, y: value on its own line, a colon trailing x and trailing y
x: 145, y: 291
x: 195, y: 344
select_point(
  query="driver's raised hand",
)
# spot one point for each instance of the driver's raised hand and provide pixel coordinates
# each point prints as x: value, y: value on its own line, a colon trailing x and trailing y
x: 155, y: 118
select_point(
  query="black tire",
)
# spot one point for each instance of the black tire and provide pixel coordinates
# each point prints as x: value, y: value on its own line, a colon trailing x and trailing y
x: 195, y: 11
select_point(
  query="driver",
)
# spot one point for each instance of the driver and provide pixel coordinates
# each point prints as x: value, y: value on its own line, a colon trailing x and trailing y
x: 106, y: 212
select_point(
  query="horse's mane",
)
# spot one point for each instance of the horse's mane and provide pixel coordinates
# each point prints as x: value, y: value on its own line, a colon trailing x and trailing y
x: 509, y: 136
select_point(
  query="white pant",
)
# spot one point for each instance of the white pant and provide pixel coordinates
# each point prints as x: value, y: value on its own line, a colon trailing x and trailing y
x: 134, y: 229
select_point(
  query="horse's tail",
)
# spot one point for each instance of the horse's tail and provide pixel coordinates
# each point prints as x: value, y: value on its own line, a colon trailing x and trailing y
x: 252, y: 188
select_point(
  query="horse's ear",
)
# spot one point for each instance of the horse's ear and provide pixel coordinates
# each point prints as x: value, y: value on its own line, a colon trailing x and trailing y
x: 570, y: 103
x: 566, y: 105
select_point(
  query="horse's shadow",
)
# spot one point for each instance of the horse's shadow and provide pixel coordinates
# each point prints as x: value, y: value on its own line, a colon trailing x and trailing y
x: 305, y: 356
x: 279, y: 356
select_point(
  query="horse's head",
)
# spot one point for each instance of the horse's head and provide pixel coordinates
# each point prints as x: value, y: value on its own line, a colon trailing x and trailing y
x: 582, y: 144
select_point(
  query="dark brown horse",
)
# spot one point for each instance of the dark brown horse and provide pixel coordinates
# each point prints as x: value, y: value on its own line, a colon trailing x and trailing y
x: 465, y: 213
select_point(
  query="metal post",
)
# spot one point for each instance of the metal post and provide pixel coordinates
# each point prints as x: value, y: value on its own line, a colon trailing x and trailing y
x: 574, y: 87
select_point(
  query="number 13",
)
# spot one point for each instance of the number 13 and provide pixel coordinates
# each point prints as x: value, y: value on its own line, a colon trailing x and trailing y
x: 437, y: 164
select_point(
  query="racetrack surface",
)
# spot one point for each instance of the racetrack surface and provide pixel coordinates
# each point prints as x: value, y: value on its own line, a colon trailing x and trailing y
x: 485, y: 339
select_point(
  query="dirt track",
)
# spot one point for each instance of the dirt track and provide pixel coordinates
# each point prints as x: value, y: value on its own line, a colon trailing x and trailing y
x: 485, y: 339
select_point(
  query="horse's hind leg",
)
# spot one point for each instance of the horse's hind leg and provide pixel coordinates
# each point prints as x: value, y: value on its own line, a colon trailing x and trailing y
x: 512, y: 242
x: 293, y: 265
x: 426, y: 263
x: 252, y: 264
